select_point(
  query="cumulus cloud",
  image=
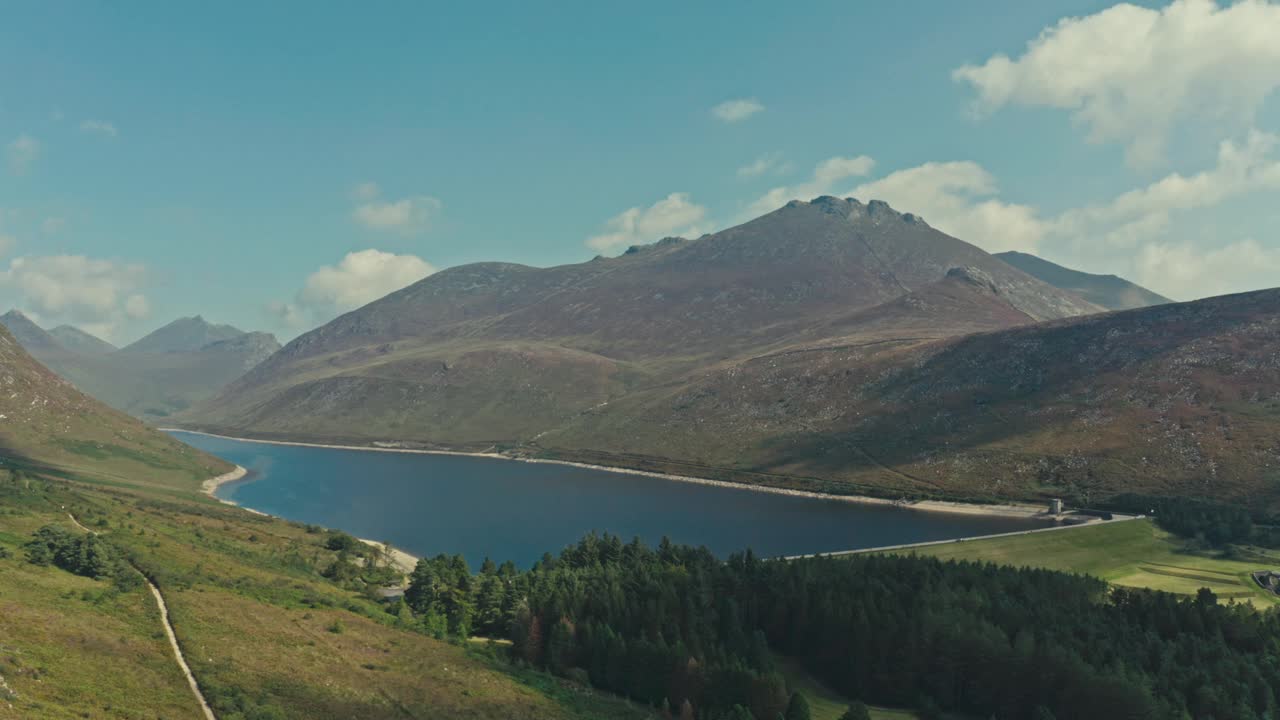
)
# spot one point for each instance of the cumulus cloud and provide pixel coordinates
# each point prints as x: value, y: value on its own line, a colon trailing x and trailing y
x: 1144, y: 212
x: 407, y: 216
x: 1128, y: 74
x: 675, y: 214
x: 358, y: 279
x: 732, y: 111
x: 99, y: 127
x: 22, y: 152
x: 825, y: 176
x: 1180, y: 269
x: 1138, y: 233
x: 88, y: 292
x: 959, y: 199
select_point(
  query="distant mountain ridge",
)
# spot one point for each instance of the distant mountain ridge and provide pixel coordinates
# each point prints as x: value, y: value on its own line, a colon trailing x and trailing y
x: 46, y: 423
x: 183, y: 335
x: 1108, y: 291
x: 500, y: 353
x: 169, y: 369
x: 77, y: 340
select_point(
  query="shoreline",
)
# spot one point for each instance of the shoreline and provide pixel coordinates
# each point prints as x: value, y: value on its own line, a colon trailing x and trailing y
x: 1010, y: 510
x: 405, y: 562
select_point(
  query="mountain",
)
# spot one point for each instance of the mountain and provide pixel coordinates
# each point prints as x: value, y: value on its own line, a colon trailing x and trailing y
x: 1178, y: 399
x: 1108, y: 291
x: 183, y: 335
x: 47, y: 424
x: 31, y: 335
x: 501, y: 353
x: 166, y: 371
x: 79, y: 341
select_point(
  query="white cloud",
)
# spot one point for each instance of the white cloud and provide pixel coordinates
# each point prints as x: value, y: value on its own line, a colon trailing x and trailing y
x: 732, y: 111
x: 7, y: 243
x: 99, y: 127
x: 1138, y: 233
x: 825, y: 176
x: 407, y: 215
x: 1182, y: 270
x: 1129, y: 74
x: 675, y: 214
x: 359, y: 278
x: 52, y: 225
x: 22, y: 152
x: 958, y: 198
x: 87, y: 292
x: 769, y: 162
x: 1144, y: 212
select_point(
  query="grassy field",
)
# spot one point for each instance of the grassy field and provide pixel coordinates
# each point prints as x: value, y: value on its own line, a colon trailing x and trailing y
x: 1132, y: 553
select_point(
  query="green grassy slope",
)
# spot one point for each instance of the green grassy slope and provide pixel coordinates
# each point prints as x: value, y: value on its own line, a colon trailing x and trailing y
x: 267, y: 635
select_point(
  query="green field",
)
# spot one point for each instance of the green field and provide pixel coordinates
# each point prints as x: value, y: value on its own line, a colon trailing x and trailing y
x: 1131, y: 553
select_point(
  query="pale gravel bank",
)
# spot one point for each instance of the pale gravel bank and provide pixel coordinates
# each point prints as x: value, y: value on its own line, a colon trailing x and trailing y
x: 403, y: 561
x: 943, y: 506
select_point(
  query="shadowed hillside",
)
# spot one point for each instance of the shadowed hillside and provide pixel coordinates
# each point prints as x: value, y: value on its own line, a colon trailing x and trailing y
x: 1177, y: 399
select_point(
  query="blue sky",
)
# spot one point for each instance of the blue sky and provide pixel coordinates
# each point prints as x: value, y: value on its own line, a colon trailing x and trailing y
x: 273, y: 164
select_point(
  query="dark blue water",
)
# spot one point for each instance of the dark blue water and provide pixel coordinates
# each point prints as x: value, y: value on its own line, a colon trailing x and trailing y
x: 429, y: 504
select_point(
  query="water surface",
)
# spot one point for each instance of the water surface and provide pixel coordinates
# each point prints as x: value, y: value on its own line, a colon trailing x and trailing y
x: 506, y: 510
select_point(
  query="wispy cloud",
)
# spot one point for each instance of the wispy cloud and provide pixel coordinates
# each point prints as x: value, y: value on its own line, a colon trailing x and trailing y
x: 769, y: 162
x: 99, y: 127
x: 732, y: 111
x: 408, y: 215
x: 22, y: 152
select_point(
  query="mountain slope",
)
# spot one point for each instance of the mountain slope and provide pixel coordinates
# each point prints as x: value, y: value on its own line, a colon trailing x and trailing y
x: 188, y: 360
x: 1108, y: 291
x: 79, y: 341
x: 496, y: 352
x: 45, y: 422
x: 1178, y: 399
x: 32, y: 336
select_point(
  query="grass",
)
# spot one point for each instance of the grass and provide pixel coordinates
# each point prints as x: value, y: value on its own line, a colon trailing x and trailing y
x: 253, y: 614
x: 1132, y: 553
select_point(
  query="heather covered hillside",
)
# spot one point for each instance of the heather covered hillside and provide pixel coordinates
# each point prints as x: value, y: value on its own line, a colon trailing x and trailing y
x: 492, y: 352
x: 1179, y: 399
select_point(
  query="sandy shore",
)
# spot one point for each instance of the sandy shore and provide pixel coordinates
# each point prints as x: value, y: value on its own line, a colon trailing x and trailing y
x: 403, y: 561
x: 943, y: 506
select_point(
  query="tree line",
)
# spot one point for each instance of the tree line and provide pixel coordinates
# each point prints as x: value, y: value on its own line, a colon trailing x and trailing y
x: 675, y: 627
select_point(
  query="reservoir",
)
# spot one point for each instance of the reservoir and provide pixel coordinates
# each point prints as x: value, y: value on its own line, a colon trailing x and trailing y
x: 507, y: 510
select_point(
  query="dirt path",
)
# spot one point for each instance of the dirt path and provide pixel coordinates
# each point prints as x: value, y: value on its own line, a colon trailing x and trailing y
x: 177, y: 652
x: 168, y: 631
